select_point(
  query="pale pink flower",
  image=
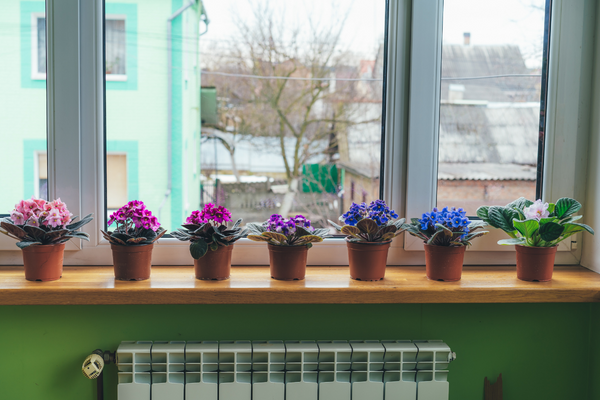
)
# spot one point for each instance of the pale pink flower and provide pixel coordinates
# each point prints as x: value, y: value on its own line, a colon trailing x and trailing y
x: 54, y: 213
x: 20, y: 206
x: 537, y: 210
x: 30, y: 205
x: 17, y: 218
x: 39, y: 202
x: 53, y: 222
x: 33, y: 221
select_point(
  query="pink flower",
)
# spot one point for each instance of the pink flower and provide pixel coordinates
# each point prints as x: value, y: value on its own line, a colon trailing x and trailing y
x: 20, y: 206
x: 537, y: 210
x: 17, y: 218
x: 33, y: 221
x: 53, y: 222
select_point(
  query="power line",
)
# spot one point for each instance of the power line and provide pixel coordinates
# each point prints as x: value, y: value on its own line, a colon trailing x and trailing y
x: 363, y: 79
x: 470, y: 78
x: 287, y: 78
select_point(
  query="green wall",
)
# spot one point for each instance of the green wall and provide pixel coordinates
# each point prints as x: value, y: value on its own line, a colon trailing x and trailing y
x: 542, y: 350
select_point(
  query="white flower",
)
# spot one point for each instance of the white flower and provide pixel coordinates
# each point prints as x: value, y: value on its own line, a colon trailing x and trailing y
x: 537, y: 210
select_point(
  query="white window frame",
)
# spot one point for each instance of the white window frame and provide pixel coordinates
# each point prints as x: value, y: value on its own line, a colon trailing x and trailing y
x: 75, y: 118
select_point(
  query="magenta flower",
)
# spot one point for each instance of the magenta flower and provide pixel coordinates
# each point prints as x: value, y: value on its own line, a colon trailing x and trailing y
x: 134, y: 215
x: 210, y: 213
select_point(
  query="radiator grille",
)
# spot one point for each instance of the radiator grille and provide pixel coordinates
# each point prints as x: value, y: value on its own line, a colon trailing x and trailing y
x: 276, y: 370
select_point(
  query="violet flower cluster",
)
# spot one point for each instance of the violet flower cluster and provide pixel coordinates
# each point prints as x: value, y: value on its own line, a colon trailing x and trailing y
x: 39, y: 212
x: 287, y: 227
x: 378, y: 211
x: 454, y: 219
x: 134, y: 214
x: 210, y: 213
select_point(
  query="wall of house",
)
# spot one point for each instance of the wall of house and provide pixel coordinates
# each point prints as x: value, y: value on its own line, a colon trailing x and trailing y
x: 542, y: 350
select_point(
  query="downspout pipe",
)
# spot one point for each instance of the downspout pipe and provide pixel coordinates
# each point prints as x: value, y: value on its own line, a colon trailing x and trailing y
x: 170, y: 104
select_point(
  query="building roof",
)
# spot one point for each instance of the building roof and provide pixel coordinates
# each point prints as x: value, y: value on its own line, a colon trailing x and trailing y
x: 486, y: 172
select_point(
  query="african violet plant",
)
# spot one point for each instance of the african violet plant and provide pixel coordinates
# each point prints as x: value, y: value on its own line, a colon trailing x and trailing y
x: 207, y: 229
x: 535, y: 224
x: 41, y: 222
x: 372, y: 223
x: 280, y: 231
x: 135, y: 225
x: 448, y: 227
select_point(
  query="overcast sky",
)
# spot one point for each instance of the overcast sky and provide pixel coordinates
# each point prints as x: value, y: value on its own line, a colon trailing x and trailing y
x: 519, y: 22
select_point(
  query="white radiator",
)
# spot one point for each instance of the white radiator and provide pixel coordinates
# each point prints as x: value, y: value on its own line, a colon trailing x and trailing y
x: 275, y: 370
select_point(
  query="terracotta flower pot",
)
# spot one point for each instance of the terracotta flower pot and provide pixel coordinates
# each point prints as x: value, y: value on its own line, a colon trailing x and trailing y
x: 367, y: 260
x: 43, y: 262
x: 444, y: 263
x: 535, y: 264
x: 132, y: 263
x: 288, y: 263
x: 215, y: 265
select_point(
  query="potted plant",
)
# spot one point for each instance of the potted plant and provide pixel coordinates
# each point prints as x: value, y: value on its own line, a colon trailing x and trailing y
x: 370, y: 230
x: 446, y: 235
x: 535, y: 228
x: 42, y: 228
x: 211, y: 242
x: 288, y: 241
x: 132, y: 240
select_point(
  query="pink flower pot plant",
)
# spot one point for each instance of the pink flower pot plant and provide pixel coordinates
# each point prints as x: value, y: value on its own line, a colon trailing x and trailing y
x: 370, y: 230
x: 41, y: 229
x: 535, y: 228
x: 132, y: 240
x: 288, y: 240
x: 211, y: 241
x: 446, y: 233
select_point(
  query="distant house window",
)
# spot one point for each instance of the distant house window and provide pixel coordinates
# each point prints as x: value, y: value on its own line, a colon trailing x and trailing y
x: 116, y: 48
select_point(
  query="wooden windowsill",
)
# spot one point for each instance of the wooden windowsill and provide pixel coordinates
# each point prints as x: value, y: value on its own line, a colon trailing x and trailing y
x: 253, y: 285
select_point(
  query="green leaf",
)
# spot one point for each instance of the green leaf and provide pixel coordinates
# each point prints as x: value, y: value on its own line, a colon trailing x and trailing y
x: 572, y: 228
x: 388, y: 236
x: 259, y: 238
x: 551, y: 231
x: 302, y: 232
x: 475, y: 235
x: 13, y: 229
x: 76, y: 225
x: 444, y: 229
x: 275, y: 236
x: 566, y: 207
x: 214, y: 246
x: 432, y: 238
x: 502, y: 217
x: 388, y: 229
x: 367, y: 225
x: 310, y: 239
x: 551, y: 207
x: 482, y: 212
x: 323, y: 232
x: 475, y: 224
x: 520, y: 203
x: 336, y: 226
x: 22, y: 245
x: 198, y: 249
x: 350, y: 230
x: 255, y: 228
x: 512, y: 241
x: 415, y: 221
x: 571, y: 219
x: 237, y: 224
x: 528, y: 227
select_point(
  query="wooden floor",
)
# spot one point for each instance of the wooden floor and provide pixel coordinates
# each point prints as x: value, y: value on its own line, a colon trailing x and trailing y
x: 253, y: 285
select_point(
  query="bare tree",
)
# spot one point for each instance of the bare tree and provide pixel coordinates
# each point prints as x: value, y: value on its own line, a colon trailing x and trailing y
x: 304, y: 109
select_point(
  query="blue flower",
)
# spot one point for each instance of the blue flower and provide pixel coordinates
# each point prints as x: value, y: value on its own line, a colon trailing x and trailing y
x: 424, y: 226
x: 456, y: 222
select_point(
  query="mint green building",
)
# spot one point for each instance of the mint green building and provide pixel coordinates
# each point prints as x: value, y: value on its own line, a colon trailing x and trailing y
x: 143, y: 138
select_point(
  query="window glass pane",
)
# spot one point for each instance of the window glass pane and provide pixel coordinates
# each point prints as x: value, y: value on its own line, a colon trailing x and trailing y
x: 23, y: 166
x: 115, y: 47
x: 274, y: 107
x: 490, y: 101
